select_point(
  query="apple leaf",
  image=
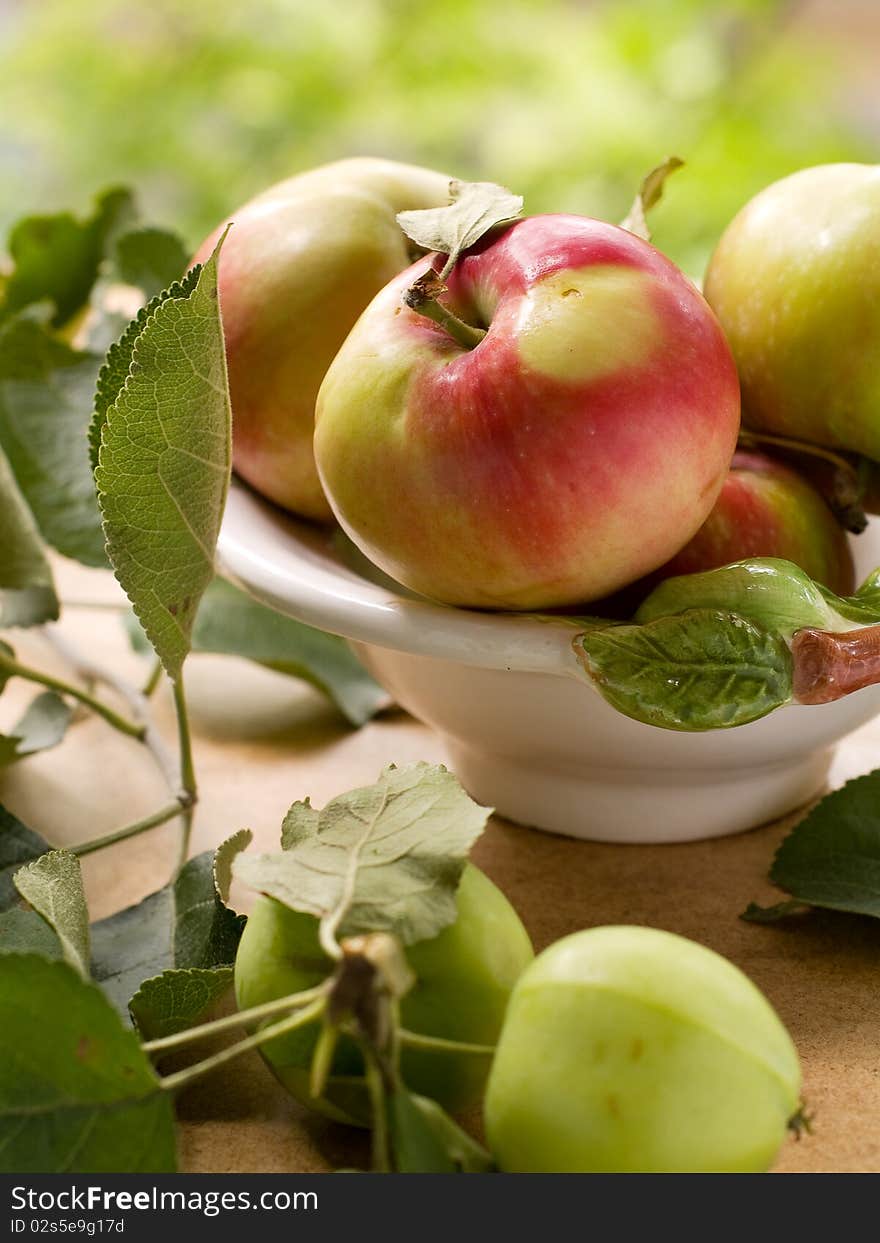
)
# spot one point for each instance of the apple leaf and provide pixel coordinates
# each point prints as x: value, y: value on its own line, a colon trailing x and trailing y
x: 474, y: 208
x: 862, y: 608
x: 150, y: 259
x: 77, y: 1093
x: 177, y: 999
x: 57, y: 258
x: 18, y: 846
x: 45, y: 405
x: 832, y: 858
x: 25, y: 932
x: 142, y: 262
x: 774, y: 594
x: 467, y: 1156
x: 416, y: 1147
x: 384, y: 858
x: 425, y: 1140
x: 116, y: 366
x: 53, y: 886
x: 183, y: 925
x: 230, y: 623
x: 649, y: 194
x: 42, y: 726
x: 221, y: 867
x: 27, y: 593
x: 164, y: 464
x: 703, y: 669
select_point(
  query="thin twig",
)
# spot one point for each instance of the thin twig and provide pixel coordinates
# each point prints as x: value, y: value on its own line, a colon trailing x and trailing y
x: 436, y: 1044
x: 165, y: 760
x: 137, y: 702
x: 153, y: 680
x: 376, y: 1087
x: 183, y: 1077
x: 189, y: 791
x: 294, y: 1001
x: 12, y: 669
x: 128, y: 830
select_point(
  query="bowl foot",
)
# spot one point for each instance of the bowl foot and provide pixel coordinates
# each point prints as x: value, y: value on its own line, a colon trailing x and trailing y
x: 638, y: 805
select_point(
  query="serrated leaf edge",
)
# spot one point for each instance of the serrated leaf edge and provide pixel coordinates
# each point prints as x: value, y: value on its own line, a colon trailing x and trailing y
x: 195, y: 272
x: 181, y: 289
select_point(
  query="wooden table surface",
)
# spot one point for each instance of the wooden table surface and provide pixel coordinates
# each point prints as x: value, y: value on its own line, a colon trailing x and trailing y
x: 263, y: 740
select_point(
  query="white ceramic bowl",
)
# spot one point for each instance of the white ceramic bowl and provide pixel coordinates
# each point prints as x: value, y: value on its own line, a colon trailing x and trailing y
x: 524, y: 732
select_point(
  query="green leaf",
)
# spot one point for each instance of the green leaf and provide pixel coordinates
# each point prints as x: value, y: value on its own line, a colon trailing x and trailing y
x: 704, y: 669
x: 177, y: 999
x: 77, y: 1094
x: 164, y: 465
x: 150, y: 258
x: 224, y: 857
x: 43, y: 725
x: 45, y: 405
x: 862, y: 608
x: 27, y: 593
x: 415, y: 1145
x: 773, y: 593
x: 474, y: 208
x: 649, y: 195
x: 24, y: 932
x: 57, y: 258
x: 117, y: 364
x: 832, y: 858
x: 231, y: 623
x: 18, y: 846
x: 53, y: 886
x: 183, y: 925
x: 467, y: 1156
x: 384, y: 858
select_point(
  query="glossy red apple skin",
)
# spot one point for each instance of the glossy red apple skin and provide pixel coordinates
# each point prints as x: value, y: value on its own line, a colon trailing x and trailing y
x: 765, y: 509
x: 298, y: 266
x: 576, y: 447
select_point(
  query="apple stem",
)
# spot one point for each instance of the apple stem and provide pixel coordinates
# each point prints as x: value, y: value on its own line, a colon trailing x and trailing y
x: 749, y: 438
x: 240, y: 1018
x: 182, y: 1078
x: 828, y: 666
x: 843, y: 484
x: 437, y: 1044
x: 421, y: 297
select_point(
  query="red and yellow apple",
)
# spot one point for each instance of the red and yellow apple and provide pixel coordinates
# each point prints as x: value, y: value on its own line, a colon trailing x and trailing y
x: 795, y: 282
x: 301, y: 262
x: 578, y: 445
x: 765, y: 509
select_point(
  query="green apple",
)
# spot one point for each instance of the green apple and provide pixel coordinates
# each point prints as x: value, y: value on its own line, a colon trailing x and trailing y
x: 633, y: 1050
x: 795, y: 282
x: 464, y: 977
x: 301, y: 262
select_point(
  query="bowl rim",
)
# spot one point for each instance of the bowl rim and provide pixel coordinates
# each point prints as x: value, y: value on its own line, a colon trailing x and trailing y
x: 297, y: 567
x: 292, y: 565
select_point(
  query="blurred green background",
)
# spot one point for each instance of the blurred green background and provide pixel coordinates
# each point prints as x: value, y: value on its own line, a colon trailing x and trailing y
x: 199, y: 105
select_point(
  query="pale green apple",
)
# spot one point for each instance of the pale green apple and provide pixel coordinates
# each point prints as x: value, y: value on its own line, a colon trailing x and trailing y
x: 795, y: 282
x: 631, y: 1050
x: 463, y: 980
